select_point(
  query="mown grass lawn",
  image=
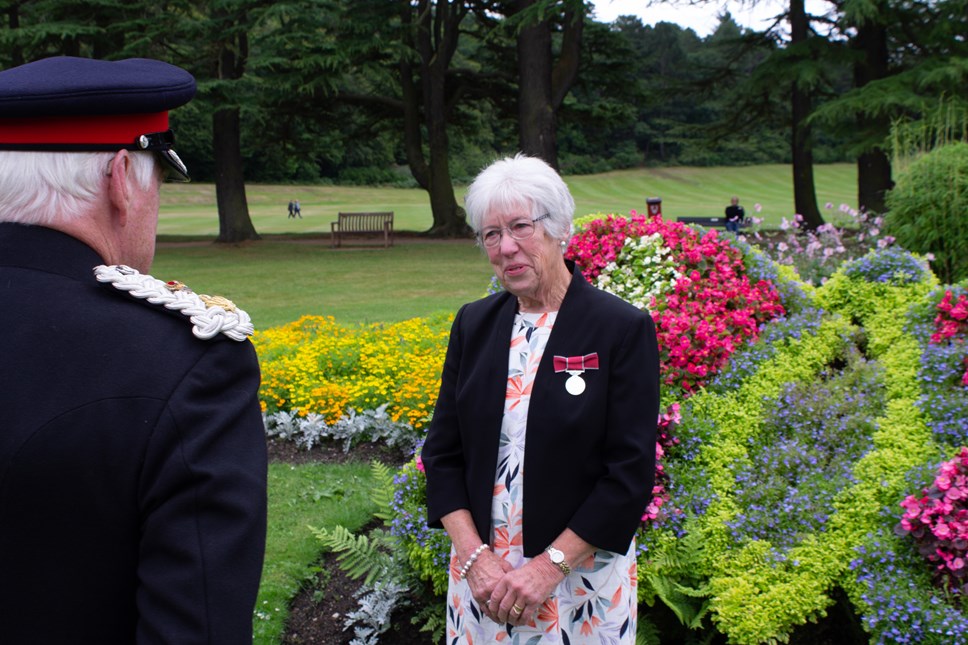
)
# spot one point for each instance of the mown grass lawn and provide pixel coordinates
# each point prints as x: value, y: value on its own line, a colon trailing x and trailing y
x: 300, y: 496
x: 189, y: 209
x: 277, y: 282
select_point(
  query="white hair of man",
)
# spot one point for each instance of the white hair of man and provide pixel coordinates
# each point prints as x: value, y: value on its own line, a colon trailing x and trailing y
x: 522, y: 182
x: 47, y: 188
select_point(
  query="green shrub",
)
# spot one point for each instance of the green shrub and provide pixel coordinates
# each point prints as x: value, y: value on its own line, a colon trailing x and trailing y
x: 860, y: 298
x: 927, y: 209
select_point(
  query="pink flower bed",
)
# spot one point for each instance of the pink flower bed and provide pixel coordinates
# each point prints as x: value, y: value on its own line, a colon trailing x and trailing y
x: 938, y: 522
x: 713, y: 309
x: 660, y: 494
x: 951, y: 324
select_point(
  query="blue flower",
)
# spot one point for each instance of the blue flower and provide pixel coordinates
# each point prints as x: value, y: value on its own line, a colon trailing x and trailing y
x: 812, y: 435
x: 892, y: 265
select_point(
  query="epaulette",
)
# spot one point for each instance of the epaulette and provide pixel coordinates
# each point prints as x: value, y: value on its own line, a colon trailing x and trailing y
x: 210, y: 315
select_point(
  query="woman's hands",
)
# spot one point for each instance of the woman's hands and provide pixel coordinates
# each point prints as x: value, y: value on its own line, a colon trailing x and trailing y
x: 519, y: 594
x: 483, y: 577
x: 505, y: 594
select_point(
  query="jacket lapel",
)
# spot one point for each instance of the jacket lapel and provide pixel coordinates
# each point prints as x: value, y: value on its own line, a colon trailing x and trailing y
x: 567, y: 329
x: 496, y: 377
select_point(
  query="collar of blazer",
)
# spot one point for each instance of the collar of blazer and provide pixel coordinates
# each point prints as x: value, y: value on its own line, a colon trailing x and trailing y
x: 567, y: 327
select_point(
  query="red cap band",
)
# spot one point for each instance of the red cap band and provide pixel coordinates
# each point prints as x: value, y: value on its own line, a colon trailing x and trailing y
x: 121, y: 130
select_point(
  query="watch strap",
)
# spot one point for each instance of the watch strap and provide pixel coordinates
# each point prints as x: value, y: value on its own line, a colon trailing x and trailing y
x: 557, y: 558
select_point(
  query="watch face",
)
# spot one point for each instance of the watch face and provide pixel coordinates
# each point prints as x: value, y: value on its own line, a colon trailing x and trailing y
x: 556, y: 556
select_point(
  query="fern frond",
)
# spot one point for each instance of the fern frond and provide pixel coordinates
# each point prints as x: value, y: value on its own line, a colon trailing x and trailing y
x: 685, y: 556
x: 647, y: 633
x: 381, y: 494
x: 674, y: 580
x: 682, y: 600
x: 359, y: 556
x: 701, y: 591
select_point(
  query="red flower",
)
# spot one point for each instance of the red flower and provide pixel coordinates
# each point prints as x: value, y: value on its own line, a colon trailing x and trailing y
x: 712, y: 310
x: 951, y: 324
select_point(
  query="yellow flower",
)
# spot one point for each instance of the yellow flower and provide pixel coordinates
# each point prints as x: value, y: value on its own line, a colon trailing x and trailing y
x: 316, y: 365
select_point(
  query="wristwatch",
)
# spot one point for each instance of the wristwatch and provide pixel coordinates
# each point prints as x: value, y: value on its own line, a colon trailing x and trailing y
x: 558, y: 559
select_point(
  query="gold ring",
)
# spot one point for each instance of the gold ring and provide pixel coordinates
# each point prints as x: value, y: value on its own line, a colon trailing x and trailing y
x: 517, y: 609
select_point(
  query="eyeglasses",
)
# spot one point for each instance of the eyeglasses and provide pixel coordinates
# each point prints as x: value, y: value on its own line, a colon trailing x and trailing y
x: 521, y: 229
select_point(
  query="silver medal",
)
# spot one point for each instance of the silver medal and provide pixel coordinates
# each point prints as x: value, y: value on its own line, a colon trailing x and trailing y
x: 575, y: 385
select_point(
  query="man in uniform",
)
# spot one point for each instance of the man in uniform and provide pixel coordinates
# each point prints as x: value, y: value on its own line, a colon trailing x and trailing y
x: 132, y: 450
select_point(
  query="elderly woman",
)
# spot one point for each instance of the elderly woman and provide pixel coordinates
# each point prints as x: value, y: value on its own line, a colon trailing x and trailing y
x: 540, y: 458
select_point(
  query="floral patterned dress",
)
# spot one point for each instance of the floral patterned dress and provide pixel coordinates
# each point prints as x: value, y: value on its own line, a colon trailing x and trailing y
x: 596, y: 604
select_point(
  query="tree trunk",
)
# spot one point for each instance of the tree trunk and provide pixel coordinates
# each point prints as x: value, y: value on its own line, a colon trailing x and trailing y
x: 433, y: 34
x: 449, y: 218
x: 873, y: 166
x: 804, y: 189
x: 412, y: 135
x: 234, y: 223
x: 412, y: 138
x: 537, y: 125
x: 544, y: 83
x: 873, y: 180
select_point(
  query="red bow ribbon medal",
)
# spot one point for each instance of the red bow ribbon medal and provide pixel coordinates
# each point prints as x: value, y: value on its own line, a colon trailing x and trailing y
x: 575, y: 366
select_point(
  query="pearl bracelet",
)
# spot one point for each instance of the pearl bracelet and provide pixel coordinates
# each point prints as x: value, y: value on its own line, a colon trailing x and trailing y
x: 471, y: 560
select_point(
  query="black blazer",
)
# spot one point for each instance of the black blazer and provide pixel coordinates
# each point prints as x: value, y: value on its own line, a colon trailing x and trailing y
x: 132, y: 461
x: 590, y: 459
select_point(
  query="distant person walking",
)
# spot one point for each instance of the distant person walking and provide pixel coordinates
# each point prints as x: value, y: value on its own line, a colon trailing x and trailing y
x: 296, y: 210
x: 292, y: 209
x: 734, y: 215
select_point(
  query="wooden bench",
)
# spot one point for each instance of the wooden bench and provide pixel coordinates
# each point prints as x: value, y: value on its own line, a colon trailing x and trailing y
x: 711, y: 222
x: 363, y: 224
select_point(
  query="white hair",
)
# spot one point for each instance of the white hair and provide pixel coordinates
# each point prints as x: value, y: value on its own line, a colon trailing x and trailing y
x: 45, y: 188
x: 522, y: 182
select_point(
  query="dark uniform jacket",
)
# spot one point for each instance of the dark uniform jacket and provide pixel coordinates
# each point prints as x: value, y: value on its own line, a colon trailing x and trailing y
x: 132, y: 461
x: 590, y: 459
